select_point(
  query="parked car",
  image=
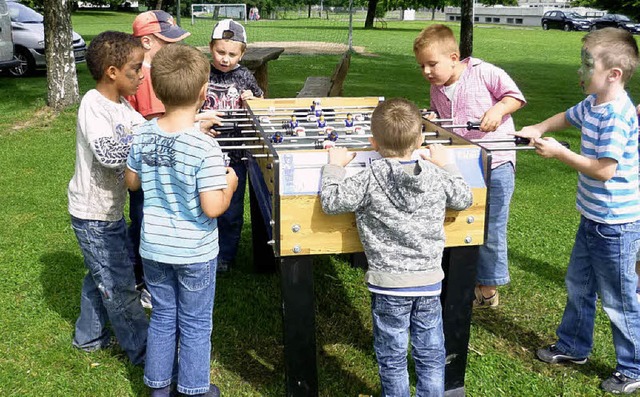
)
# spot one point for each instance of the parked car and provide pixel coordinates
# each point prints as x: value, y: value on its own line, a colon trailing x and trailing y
x: 28, y: 39
x: 565, y: 20
x: 616, y: 21
x: 6, y: 42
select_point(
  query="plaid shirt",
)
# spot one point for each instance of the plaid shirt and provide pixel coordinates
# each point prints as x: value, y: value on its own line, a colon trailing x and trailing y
x: 480, y: 86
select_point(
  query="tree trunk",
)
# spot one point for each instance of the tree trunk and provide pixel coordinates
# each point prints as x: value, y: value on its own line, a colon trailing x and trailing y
x: 62, y: 82
x: 433, y: 13
x: 371, y: 14
x: 309, y: 11
x: 466, y: 28
x: 159, y: 5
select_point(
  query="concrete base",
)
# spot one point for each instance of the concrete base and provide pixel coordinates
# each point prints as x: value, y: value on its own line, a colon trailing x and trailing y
x: 459, y: 392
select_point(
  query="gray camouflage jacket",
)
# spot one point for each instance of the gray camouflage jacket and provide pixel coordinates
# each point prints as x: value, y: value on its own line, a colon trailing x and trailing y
x: 400, y: 212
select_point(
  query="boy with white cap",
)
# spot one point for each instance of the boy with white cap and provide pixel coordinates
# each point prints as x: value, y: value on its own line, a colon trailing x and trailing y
x: 229, y: 84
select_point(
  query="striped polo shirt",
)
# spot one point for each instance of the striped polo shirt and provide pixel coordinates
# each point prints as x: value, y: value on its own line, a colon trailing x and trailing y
x: 174, y: 168
x: 609, y: 130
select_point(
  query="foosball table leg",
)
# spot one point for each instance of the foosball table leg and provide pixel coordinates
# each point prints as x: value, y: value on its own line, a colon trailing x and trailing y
x: 299, y: 325
x: 459, y: 265
x: 263, y: 257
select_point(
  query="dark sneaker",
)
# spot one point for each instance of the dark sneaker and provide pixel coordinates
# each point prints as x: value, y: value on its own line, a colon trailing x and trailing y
x: 213, y: 392
x: 620, y: 384
x: 552, y: 355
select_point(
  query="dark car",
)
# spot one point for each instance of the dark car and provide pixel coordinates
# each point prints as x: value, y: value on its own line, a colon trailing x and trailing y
x: 616, y: 21
x: 565, y: 20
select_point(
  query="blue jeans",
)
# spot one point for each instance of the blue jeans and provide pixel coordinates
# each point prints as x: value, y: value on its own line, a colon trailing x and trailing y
x: 395, y: 319
x: 493, y: 266
x: 230, y: 223
x: 603, y: 264
x: 108, y: 290
x: 182, y: 315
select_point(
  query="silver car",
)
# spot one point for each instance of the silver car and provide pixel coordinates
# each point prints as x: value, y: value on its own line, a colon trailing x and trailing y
x: 28, y: 39
x: 6, y: 42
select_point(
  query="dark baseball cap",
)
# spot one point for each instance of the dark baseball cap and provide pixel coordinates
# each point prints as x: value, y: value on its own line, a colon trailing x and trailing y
x: 160, y: 24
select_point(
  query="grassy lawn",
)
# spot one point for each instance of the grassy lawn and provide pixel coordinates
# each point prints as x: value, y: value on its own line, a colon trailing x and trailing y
x: 42, y: 268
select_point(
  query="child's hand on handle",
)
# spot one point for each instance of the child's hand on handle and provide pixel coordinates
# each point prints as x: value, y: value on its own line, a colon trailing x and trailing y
x: 340, y: 156
x: 232, y: 179
x: 440, y: 155
x: 207, y: 120
x: 530, y: 132
x: 547, y: 147
x: 492, y: 118
x: 246, y: 94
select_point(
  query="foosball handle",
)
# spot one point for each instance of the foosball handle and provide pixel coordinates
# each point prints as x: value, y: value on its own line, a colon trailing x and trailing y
x: 519, y: 140
x: 473, y: 125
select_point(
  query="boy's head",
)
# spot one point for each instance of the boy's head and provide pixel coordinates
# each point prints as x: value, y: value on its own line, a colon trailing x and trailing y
x: 228, y: 43
x: 179, y: 75
x: 116, y: 56
x: 608, y: 55
x: 156, y: 29
x: 396, y: 125
x: 437, y: 53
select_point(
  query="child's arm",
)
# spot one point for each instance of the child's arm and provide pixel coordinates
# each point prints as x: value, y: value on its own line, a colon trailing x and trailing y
x: 340, y: 195
x: 492, y: 118
x: 601, y: 169
x: 553, y: 123
x: 248, y: 94
x: 459, y: 195
x: 131, y: 179
x: 215, y: 202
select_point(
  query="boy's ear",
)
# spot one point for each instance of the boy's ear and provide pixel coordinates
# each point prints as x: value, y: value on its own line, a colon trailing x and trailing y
x: 146, y: 42
x: 373, y: 143
x: 455, y: 57
x: 111, y: 72
x: 614, y: 74
x: 203, y: 92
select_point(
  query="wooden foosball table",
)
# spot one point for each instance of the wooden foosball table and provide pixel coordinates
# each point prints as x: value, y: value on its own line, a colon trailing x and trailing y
x: 285, y: 155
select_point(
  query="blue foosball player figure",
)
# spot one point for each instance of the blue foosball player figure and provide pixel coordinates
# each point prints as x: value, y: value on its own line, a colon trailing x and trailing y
x: 293, y: 123
x: 333, y: 136
x: 316, y: 108
x: 321, y: 122
x: 348, y: 122
x: 277, y: 138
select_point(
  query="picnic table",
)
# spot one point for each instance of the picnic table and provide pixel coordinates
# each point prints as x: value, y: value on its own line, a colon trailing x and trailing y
x: 257, y: 60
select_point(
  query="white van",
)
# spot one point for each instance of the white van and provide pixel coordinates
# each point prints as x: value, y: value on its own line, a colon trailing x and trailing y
x: 6, y: 42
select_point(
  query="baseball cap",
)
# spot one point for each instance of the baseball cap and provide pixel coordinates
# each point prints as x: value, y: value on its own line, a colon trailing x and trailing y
x: 160, y: 24
x: 229, y: 29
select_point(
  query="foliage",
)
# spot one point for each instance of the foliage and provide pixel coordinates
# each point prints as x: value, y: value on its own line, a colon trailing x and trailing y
x: 630, y: 8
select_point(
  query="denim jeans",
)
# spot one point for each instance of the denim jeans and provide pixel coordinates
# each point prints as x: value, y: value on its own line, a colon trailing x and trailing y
x: 603, y: 263
x: 182, y: 298
x: 395, y: 320
x: 493, y: 266
x: 108, y: 290
x: 136, y: 201
x: 230, y: 223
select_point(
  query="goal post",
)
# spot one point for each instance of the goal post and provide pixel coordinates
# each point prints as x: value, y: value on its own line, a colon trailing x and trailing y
x: 218, y: 12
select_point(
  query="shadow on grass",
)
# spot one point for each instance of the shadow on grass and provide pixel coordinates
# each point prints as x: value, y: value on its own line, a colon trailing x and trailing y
x: 61, y: 279
x: 525, y: 342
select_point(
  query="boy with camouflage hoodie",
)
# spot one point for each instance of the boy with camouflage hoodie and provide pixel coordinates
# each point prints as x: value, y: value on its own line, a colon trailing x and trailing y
x: 400, y: 207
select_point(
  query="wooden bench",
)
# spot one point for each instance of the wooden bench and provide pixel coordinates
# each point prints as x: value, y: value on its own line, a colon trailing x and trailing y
x: 324, y: 86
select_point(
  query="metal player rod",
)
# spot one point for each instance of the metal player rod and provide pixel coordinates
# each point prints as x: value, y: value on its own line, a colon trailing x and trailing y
x: 314, y: 137
x: 256, y: 111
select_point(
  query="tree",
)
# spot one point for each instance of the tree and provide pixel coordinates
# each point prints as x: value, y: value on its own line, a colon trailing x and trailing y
x: 62, y: 82
x: 466, y: 28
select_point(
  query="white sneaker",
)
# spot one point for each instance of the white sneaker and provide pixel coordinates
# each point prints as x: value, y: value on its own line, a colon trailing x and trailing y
x: 145, y: 299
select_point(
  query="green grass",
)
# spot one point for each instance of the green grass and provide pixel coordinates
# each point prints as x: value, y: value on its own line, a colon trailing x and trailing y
x: 42, y: 268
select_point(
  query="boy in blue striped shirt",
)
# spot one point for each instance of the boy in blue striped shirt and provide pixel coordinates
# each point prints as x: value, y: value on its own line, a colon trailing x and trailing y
x: 603, y: 258
x: 186, y: 187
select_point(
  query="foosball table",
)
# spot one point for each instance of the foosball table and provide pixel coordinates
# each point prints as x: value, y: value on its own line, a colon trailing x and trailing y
x: 283, y: 142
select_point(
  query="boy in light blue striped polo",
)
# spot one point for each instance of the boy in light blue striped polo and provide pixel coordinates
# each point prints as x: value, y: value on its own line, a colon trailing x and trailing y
x: 603, y: 258
x: 186, y: 187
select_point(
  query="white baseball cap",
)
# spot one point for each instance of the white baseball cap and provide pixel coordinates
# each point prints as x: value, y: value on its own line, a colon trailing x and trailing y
x: 228, y: 29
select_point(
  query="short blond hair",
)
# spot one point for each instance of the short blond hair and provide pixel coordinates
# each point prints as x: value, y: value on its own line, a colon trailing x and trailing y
x: 437, y: 35
x: 178, y: 72
x: 615, y: 48
x: 396, y: 125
